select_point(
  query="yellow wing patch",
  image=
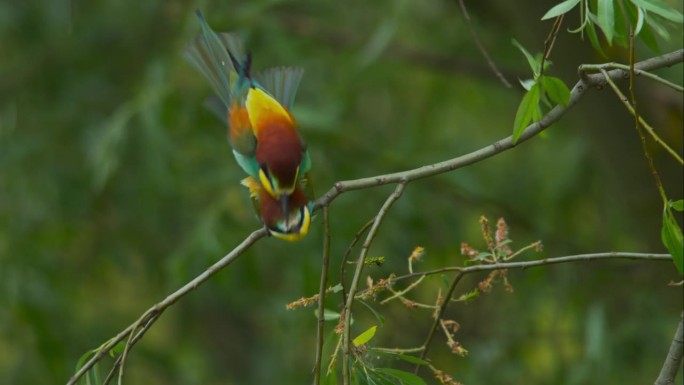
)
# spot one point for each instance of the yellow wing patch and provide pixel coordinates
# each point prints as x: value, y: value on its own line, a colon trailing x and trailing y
x: 263, y: 108
x: 252, y: 185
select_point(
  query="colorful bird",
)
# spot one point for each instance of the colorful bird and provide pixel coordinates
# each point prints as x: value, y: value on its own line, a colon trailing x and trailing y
x: 262, y: 131
x: 292, y: 225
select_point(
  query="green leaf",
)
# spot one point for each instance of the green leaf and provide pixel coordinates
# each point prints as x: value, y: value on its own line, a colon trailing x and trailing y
x: 526, y: 110
x: 328, y: 315
x: 534, y: 65
x: 673, y: 239
x: 84, y: 358
x: 366, y: 336
x: 593, y: 36
x: 405, y: 357
x: 556, y: 90
x: 677, y: 205
x: 637, y: 17
x: 412, y: 359
x: 606, y: 19
x: 117, y: 349
x: 661, y: 10
x: 646, y: 35
x: 657, y: 27
x: 640, y: 21
x: 560, y: 9
x: 406, y: 378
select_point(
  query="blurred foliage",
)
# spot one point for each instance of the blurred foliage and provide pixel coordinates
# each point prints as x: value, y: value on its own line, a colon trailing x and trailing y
x: 117, y: 186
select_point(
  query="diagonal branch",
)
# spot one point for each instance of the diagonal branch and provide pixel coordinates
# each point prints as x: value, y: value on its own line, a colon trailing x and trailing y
x: 668, y: 373
x: 321, y: 296
x: 152, y: 313
x: 357, y: 275
x: 481, y: 47
x: 576, y: 94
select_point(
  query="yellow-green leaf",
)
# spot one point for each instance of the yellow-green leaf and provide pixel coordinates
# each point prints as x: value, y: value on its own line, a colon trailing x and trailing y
x: 526, y: 110
x: 534, y: 64
x: 671, y: 235
x: 364, y: 337
x: 556, y: 90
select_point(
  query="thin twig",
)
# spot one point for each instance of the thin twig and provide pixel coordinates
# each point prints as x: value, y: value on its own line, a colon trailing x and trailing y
x: 549, y: 42
x: 170, y: 300
x: 357, y: 275
x: 321, y: 296
x: 668, y: 373
x: 345, y: 257
x: 153, y: 317
x: 652, y: 76
x: 401, y: 293
x: 539, y: 262
x: 481, y: 47
x: 397, y: 350
x: 438, y: 318
x: 639, y: 119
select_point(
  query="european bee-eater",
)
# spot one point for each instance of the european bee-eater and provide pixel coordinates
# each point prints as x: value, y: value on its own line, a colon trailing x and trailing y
x: 291, y: 225
x: 263, y: 132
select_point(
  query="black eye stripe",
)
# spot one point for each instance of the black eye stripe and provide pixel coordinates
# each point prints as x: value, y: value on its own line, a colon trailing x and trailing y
x: 263, y: 168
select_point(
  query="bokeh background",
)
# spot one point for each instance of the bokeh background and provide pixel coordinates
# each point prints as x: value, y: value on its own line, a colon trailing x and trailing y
x: 117, y: 186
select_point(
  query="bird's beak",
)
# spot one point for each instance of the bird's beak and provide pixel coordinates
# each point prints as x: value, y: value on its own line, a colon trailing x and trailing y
x: 284, y: 205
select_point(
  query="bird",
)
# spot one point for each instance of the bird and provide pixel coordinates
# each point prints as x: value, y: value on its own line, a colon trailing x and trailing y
x: 292, y: 225
x: 261, y: 129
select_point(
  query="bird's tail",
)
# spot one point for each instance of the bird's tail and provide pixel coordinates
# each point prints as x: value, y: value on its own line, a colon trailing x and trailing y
x: 220, y: 58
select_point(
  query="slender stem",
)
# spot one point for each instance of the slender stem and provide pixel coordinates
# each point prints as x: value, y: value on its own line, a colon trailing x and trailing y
x: 120, y: 359
x: 438, y: 317
x: 549, y: 42
x: 539, y: 262
x: 524, y: 249
x: 668, y: 373
x: 345, y: 257
x: 321, y: 295
x: 640, y: 120
x: 652, y: 76
x: 357, y: 275
x: 170, y: 300
x: 481, y: 47
x: 401, y: 293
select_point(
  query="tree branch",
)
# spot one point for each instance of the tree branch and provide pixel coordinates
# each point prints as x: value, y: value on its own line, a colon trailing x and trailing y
x: 153, y: 313
x: 577, y: 92
x: 539, y: 262
x: 462, y: 271
x: 321, y: 296
x: 668, y: 373
x: 403, y: 177
x: 357, y: 275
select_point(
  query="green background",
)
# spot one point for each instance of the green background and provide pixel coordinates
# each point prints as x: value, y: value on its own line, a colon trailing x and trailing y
x: 117, y: 186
